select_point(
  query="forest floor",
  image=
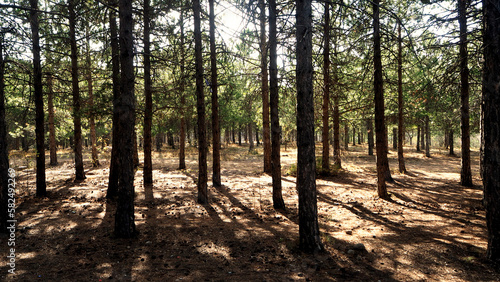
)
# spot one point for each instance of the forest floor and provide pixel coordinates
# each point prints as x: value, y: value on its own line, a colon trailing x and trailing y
x: 432, y: 229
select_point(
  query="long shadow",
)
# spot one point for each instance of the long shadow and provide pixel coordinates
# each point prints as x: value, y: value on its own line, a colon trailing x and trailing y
x: 419, y: 235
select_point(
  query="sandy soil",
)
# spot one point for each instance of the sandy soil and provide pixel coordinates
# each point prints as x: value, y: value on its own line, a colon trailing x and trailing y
x: 432, y: 229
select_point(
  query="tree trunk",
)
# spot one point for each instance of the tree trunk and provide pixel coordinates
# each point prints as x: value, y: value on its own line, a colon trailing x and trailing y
x: 353, y: 136
x: 266, y: 134
x: 451, y: 143
x: 491, y: 127
x: 200, y: 107
x: 401, y: 129
x: 418, y: 137
x: 216, y: 176
x: 182, y: 141
x: 346, y: 136
x: 422, y: 135
x: 77, y: 119
x: 52, y: 128
x: 257, y: 136
x: 326, y: 91
x: 466, y: 173
x: 394, y: 138
x: 380, y: 130
x: 38, y: 92
x: 278, y: 202
x: 125, y: 108
x: 250, y: 137
x: 369, y: 126
x: 309, y: 240
x: 5, y: 173
x: 135, y: 152
x: 93, y: 137
x: 148, y: 96
x: 427, y: 138
x: 114, y: 165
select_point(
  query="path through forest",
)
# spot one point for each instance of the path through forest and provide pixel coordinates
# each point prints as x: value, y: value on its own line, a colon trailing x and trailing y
x: 432, y: 229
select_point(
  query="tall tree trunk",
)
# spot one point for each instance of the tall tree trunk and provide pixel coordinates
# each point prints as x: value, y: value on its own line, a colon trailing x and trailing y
x: 418, y: 137
x: 278, y: 202
x: 451, y: 143
x: 135, y: 153
x: 427, y: 138
x: 266, y: 131
x: 250, y: 137
x: 491, y: 126
x: 40, y: 114
x: 148, y: 95
x: 394, y: 138
x: 422, y: 135
x: 257, y: 136
x: 353, y: 136
x: 182, y: 141
x: 4, y: 154
x: 346, y: 136
x: 309, y: 240
x: 465, y: 174
x: 77, y: 119
x: 114, y: 165
x: 52, y: 128
x: 401, y: 129
x: 93, y: 137
x: 380, y: 130
x: 369, y: 126
x: 216, y: 177
x: 326, y: 91
x: 200, y: 106
x: 125, y: 108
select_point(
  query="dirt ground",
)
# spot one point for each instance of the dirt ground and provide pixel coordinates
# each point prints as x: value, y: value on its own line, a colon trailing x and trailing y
x: 432, y: 229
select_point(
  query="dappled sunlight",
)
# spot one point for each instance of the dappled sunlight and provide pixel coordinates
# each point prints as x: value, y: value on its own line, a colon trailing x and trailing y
x: 430, y: 229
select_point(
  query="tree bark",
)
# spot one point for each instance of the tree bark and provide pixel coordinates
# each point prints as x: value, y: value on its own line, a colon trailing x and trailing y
x: 182, y: 141
x: 422, y: 135
x: 465, y: 173
x: 200, y: 107
x: 491, y: 126
x: 125, y: 109
x: 148, y: 95
x: 418, y: 137
x: 309, y: 240
x: 369, y: 126
x: 401, y: 129
x: 427, y: 138
x: 114, y: 165
x: 52, y: 128
x: 41, y: 187
x: 135, y: 151
x: 326, y: 91
x: 278, y: 202
x: 93, y: 136
x: 346, y: 136
x: 353, y: 136
x: 451, y: 143
x: 266, y: 131
x: 77, y: 119
x: 216, y: 176
x: 250, y: 137
x: 394, y: 138
x: 4, y: 153
x: 380, y: 130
